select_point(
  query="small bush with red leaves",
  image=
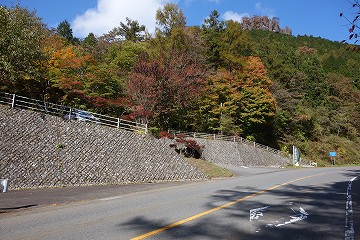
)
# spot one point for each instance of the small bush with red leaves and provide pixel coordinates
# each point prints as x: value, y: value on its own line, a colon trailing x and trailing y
x: 186, y: 147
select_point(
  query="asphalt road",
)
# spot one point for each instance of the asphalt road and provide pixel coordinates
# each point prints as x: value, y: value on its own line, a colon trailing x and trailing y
x: 257, y: 204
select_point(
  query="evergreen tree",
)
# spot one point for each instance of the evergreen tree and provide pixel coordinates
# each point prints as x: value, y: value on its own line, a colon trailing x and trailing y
x: 65, y: 31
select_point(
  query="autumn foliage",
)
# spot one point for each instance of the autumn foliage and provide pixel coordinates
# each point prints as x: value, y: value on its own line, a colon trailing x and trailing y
x: 250, y: 78
x: 183, y: 145
x: 160, y: 87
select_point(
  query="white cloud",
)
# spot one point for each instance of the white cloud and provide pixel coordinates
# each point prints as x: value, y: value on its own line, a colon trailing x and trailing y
x: 109, y: 13
x: 229, y: 15
x: 264, y: 11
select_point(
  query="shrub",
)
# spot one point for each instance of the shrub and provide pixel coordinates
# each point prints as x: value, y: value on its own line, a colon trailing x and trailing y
x: 186, y: 147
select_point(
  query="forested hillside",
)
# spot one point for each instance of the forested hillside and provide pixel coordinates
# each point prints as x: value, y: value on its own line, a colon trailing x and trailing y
x: 253, y: 79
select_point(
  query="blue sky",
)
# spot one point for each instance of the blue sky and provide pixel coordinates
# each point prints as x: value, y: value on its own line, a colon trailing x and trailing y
x: 319, y: 18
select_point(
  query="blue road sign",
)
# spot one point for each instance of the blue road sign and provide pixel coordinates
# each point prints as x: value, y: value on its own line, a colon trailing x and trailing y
x: 332, y: 154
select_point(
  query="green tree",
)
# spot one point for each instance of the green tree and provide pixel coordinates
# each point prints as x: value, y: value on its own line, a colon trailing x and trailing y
x: 315, y: 87
x: 211, y: 30
x: 90, y: 41
x: 132, y: 31
x: 65, y: 31
x: 235, y: 45
x: 168, y: 18
x: 213, y: 23
x: 124, y: 56
x: 91, y: 45
x: 217, y: 107
x: 21, y: 57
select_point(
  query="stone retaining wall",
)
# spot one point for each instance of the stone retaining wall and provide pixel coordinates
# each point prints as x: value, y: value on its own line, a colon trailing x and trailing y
x: 240, y: 154
x: 38, y: 150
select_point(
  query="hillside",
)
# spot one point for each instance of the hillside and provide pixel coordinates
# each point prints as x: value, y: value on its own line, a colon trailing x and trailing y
x: 316, y: 83
x: 220, y: 77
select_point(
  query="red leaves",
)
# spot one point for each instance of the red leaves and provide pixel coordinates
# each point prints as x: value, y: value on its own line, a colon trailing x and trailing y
x: 168, y: 135
x: 188, y: 147
x: 352, y: 29
x: 353, y: 23
x: 118, y: 102
x: 99, y: 101
x: 166, y: 84
x: 194, y: 145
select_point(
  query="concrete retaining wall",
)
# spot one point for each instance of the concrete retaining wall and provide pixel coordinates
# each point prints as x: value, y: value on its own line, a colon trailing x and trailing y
x: 38, y: 150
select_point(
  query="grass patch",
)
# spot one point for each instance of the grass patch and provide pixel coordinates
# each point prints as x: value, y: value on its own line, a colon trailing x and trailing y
x: 212, y: 170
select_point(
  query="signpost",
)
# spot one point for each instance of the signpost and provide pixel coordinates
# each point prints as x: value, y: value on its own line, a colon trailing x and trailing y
x: 296, y: 156
x: 332, y: 156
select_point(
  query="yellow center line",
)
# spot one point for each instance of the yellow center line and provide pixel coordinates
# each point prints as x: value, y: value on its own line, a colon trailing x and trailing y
x: 173, y: 225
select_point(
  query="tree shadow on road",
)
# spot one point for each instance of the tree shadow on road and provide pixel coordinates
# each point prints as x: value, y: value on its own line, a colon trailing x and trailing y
x: 322, y: 222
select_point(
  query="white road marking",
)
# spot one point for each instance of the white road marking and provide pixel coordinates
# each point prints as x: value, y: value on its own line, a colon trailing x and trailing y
x: 110, y: 198
x: 349, y: 222
x: 257, y: 212
x: 300, y: 215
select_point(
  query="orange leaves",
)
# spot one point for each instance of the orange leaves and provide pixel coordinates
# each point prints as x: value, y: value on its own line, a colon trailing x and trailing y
x: 74, y: 72
x: 66, y: 58
x: 256, y: 72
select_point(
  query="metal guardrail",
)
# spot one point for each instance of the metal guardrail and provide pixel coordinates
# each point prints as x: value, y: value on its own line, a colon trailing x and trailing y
x: 71, y: 113
x: 228, y: 138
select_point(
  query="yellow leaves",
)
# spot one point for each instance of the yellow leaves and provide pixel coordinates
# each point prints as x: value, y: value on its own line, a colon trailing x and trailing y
x: 243, y: 95
x: 61, y: 58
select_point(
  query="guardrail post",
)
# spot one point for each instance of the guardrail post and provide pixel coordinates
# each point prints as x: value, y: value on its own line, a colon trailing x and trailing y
x: 146, y: 128
x: 118, y: 123
x: 214, y: 136
x: 254, y: 144
x: 13, y: 101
